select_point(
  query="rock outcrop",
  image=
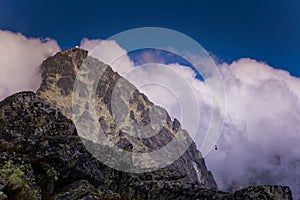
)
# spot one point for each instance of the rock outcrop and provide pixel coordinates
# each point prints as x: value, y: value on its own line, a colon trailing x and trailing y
x: 59, y: 74
x: 43, y: 157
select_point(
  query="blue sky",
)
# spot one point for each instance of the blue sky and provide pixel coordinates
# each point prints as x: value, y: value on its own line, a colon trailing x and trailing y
x: 266, y: 30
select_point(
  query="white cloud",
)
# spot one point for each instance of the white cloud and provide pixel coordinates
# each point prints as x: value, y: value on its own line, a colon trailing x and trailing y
x: 20, y: 59
x: 260, y: 140
x: 109, y: 52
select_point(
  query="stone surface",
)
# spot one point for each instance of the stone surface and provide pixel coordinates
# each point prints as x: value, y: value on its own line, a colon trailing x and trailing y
x: 42, y: 157
x: 59, y: 74
x: 264, y: 192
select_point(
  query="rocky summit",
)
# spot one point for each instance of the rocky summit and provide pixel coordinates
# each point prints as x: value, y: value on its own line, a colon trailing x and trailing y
x: 43, y: 155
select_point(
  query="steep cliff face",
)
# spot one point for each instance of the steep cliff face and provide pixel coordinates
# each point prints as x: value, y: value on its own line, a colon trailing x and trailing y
x: 42, y: 156
x: 59, y: 74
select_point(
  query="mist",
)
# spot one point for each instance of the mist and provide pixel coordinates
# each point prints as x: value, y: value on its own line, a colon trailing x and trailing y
x: 20, y: 60
x: 260, y: 139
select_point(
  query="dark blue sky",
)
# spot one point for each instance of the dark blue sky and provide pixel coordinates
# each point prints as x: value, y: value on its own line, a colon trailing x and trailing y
x: 265, y: 30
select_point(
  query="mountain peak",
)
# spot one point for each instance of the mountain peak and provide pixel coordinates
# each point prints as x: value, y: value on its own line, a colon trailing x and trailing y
x: 59, y: 74
x: 43, y: 157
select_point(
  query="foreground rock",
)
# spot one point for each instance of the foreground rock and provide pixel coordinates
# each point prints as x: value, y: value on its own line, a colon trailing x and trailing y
x: 41, y: 157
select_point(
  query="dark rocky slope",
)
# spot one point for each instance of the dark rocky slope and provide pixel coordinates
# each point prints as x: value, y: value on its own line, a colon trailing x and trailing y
x: 42, y: 156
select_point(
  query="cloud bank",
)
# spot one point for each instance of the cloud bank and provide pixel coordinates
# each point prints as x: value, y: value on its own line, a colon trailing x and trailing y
x: 260, y: 139
x: 109, y: 52
x: 20, y: 58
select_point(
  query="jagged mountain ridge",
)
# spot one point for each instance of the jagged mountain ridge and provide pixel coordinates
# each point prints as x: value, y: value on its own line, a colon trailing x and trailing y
x: 42, y: 156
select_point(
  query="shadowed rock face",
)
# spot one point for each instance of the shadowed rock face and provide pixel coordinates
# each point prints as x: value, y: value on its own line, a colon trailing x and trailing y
x: 42, y: 156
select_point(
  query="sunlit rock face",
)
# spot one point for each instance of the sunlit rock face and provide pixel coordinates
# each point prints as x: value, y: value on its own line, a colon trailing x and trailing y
x: 59, y: 73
